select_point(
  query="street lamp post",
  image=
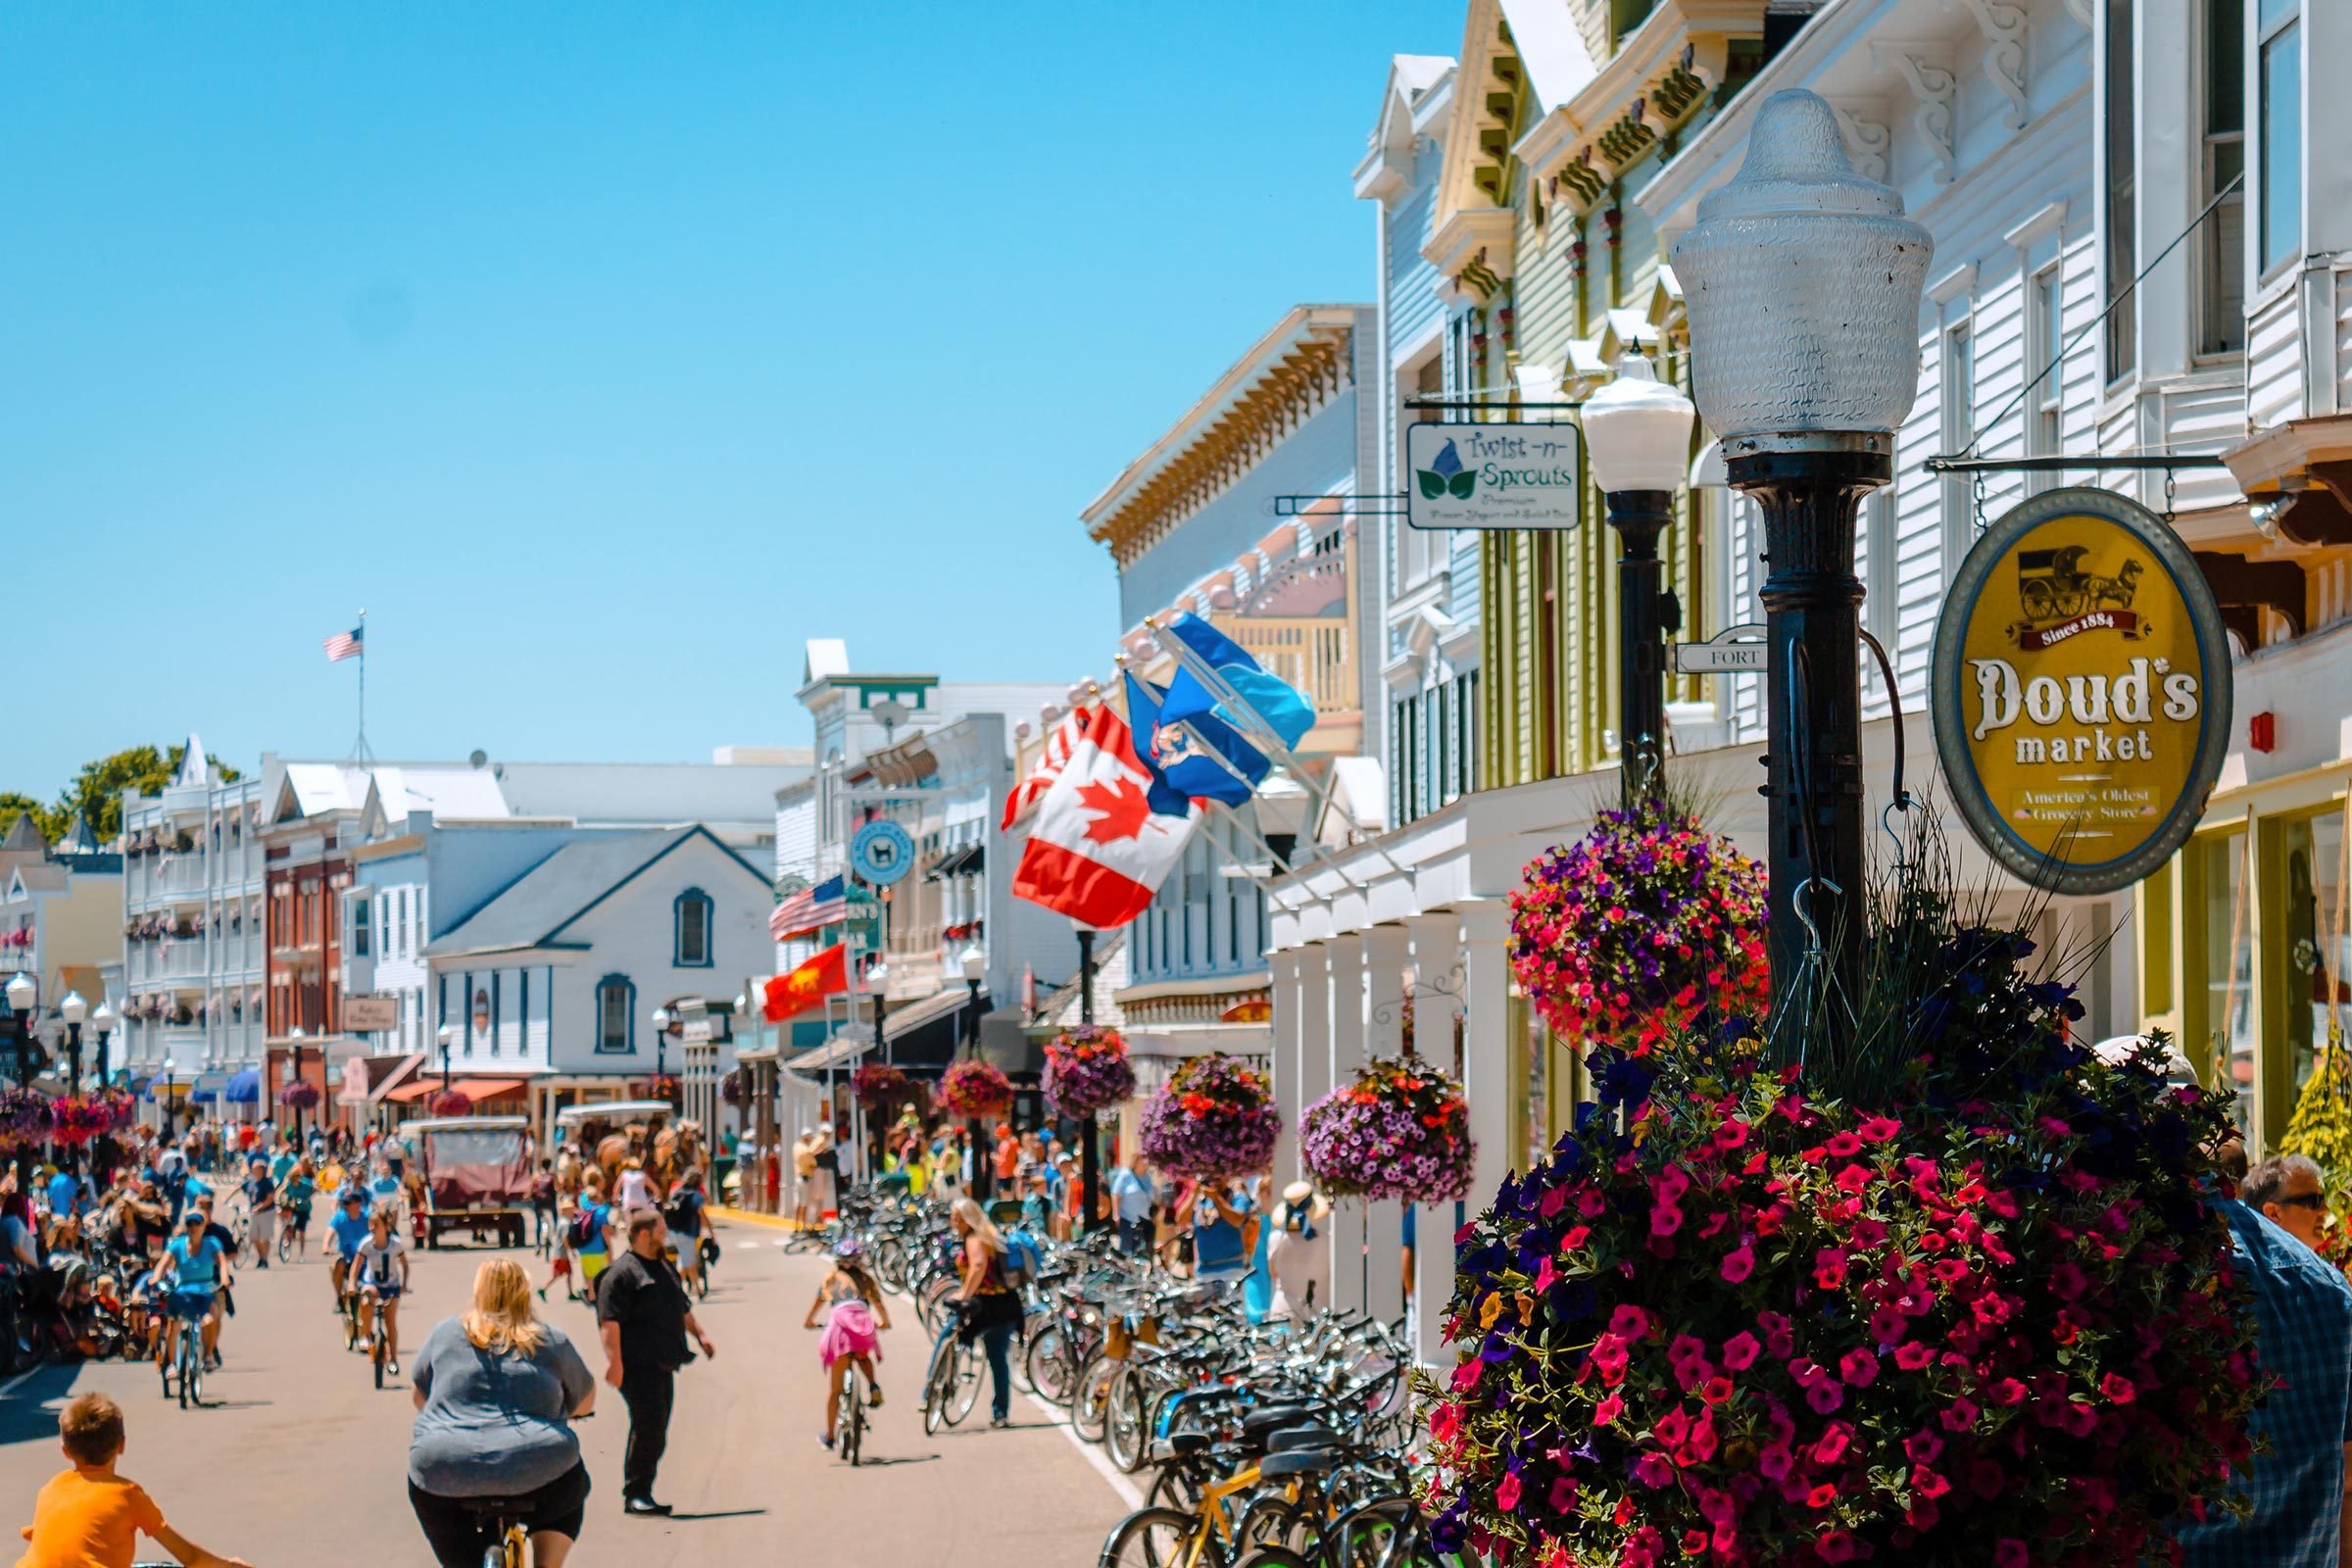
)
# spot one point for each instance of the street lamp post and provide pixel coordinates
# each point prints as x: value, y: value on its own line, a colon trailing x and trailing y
x: 662, y: 1021
x: 1638, y: 432
x: 165, y: 1135
x: 1089, y: 1152
x: 103, y: 1021
x: 73, y: 1010
x: 296, y: 1036
x: 975, y: 967
x: 445, y: 1036
x: 23, y: 992
x: 1802, y: 283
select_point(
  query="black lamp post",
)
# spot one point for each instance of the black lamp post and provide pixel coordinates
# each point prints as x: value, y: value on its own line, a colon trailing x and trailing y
x: 165, y: 1134
x: 1090, y: 1152
x: 294, y: 1049
x: 445, y: 1036
x: 1637, y: 433
x: 661, y: 1023
x: 975, y: 967
x: 1802, y: 282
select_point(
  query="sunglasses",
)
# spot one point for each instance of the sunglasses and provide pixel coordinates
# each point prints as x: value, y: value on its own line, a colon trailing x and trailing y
x: 2303, y: 1201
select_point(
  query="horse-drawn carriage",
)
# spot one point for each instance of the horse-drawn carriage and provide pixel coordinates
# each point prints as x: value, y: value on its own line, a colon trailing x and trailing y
x: 2053, y: 586
x: 649, y: 1131
x: 477, y: 1175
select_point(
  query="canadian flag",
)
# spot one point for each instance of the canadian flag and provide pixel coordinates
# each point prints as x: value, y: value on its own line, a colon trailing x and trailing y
x: 1025, y: 796
x: 1099, y: 851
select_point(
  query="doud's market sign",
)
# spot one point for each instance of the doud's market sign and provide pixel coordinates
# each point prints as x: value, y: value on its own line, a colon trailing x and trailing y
x: 2082, y: 691
x: 1493, y: 477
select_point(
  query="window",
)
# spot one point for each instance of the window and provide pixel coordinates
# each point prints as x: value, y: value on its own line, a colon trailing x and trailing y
x: 1957, y: 389
x: 360, y: 924
x: 616, y: 1013
x: 691, y: 914
x: 2123, y: 207
x: 2280, y: 26
x: 2044, y: 337
x: 522, y: 1013
x: 2222, y: 279
x: 401, y: 905
x: 497, y: 1008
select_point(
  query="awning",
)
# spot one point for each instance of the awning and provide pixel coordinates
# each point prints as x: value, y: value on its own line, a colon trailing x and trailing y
x: 386, y: 1074
x: 961, y: 861
x: 244, y: 1088
x: 476, y: 1090
x: 208, y: 1088
x: 837, y: 1055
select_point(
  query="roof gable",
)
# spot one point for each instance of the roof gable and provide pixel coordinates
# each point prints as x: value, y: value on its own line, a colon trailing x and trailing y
x: 551, y: 898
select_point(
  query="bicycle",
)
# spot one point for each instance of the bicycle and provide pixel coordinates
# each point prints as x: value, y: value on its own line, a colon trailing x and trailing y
x: 353, y: 1325
x: 512, y: 1547
x: 951, y: 1386
x: 285, y: 1242
x: 376, y: 1350
x: 848, y: 1420
x: 184, y: 1355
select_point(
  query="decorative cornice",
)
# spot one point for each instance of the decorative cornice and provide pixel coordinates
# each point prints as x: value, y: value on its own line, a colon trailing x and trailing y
x: 1927, y: 67
x: 2049, y: 220
x: 1955, y: 284
x: 1867, y: 135
x: 2004, y: 28
x: 1472, y: 248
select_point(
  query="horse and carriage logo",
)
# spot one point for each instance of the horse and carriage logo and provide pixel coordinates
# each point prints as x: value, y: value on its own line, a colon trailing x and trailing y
x: 2062, y: 600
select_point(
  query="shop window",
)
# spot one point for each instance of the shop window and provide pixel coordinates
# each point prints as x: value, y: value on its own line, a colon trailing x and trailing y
x: 361, y: 927
x: 692, y: 916
x: 2229, y: 969
x: 2310, y: 966
x: 2278, y: 25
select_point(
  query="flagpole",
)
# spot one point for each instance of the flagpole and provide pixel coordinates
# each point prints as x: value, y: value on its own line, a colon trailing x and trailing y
x: 1227, y: 697
x: 1264, y: 885
x: 359, y: 750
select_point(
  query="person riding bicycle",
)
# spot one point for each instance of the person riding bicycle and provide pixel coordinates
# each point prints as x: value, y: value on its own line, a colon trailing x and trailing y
x: 295, y: 1195
x: 852, y: 1301
x: 194, y: 1267
x: 347, y: 1231
x: 380, y: 1273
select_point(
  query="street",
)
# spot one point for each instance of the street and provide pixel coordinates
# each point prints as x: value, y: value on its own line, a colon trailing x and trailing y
x: 300, y: 1460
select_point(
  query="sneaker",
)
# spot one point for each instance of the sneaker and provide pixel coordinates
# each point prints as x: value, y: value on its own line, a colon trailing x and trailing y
x: 644, y: 1507
x: 392, y: 1369
x: 825, y: 1438
x: 875, y: 1401
x: 1000, y: 1420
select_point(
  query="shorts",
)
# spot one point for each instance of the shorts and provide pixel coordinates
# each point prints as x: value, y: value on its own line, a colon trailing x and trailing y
x: 592, y: 1265
x: 386, y: 1292
x: 195, y: 1305
x: 458, y: 1536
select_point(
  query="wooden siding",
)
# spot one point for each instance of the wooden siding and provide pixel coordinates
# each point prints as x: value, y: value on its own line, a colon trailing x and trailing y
x: 2275, y: 361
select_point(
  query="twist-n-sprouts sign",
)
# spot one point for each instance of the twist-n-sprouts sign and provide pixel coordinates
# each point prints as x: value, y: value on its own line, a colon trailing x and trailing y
x: 2082, y: 691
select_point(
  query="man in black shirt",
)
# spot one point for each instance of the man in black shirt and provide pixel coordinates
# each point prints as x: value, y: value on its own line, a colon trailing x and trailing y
x: 645, y: 1317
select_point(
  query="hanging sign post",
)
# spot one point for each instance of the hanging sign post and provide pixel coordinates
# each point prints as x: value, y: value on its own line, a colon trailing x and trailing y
x: 2082, y: 691
x: 1732, y: 650
x: 1494, y: 476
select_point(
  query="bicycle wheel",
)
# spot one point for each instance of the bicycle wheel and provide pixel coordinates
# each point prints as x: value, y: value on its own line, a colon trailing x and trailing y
x: 163, y: 1363
x: 1277, y: 1557
x: 285, y: 1243
x: 191, y: 1364
x: 1383, y: 1532
x: 1090, y: 1396
x: 376, y: 1351
x: 1176, y: 1488
x: 1125, y: 1430
x: 968, y: 1363
x: 1274, y: 1521
x: 939, y: 1386
x: 1159, y: 1538
x: 1046, y: 1364
x: 850, y: 1417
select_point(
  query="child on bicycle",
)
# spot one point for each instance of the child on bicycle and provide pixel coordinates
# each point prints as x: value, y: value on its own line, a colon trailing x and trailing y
x: 89, y: 1517
x: 379, y: 1271
x: 852, y: 1300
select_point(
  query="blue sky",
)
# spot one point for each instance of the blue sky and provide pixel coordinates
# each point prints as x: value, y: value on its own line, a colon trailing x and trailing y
x: 604, y: 353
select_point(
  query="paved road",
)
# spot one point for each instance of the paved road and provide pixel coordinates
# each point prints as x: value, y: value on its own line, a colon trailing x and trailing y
x: 301, y: 1461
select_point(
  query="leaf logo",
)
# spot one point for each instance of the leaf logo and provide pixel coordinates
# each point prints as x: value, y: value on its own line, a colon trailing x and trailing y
x: 1446, y: 475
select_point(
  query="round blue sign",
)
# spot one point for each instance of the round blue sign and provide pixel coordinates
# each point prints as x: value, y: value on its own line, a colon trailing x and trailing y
x: 881, y: 853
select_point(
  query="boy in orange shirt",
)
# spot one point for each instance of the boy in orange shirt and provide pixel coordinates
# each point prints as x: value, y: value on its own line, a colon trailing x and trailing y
x: 89, y: 1517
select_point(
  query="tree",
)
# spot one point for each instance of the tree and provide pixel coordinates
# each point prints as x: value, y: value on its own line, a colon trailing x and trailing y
x: 96, y: 791
x: 44, y: 817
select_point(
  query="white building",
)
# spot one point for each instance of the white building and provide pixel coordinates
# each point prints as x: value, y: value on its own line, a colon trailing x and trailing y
x: 550, y: 986
x: 192, y: 902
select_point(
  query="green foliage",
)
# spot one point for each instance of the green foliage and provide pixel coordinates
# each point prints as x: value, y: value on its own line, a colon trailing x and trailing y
x: 96, y: 791
x: 2322, y: 1126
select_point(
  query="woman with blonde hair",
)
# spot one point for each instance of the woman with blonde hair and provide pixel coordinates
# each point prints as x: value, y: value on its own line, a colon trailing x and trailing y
x: 988, y: 1308
x: 496, y: 1390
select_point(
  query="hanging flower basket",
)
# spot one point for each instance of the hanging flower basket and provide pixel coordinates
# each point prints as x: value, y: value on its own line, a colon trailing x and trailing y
x: 879, y: 1086
x: 1637, y: 928
x: 76, y: 1121
x: 662, y: 1086
x: 972, y: 1088
x: 1087, y: 1070
x: 735, y: 1089
x: 24, y: 1116
x: 1213, y: 1118
x: 1400, y: 1130
x: 298, y: 1095
x: 1948, y: 1292
x: 121, y: 1107
x: 450, y: 1102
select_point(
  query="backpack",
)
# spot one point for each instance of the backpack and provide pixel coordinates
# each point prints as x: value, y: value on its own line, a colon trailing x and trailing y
x: 1022, y: 1258
x: 584, y: 1228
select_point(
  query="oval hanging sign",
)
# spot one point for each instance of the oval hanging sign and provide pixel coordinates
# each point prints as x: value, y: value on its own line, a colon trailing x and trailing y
x: 2082, y: 691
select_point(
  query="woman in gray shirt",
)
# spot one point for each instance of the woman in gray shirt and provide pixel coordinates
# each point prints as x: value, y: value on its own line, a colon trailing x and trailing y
x: 496, y: 1390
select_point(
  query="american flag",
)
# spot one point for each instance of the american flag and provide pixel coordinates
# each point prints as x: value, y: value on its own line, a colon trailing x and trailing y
x: 1031, y: 789
x: 809, y: 910
x: 346, y: 644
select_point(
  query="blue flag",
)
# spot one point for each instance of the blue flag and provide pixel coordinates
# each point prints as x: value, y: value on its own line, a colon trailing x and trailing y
x: 1182, y: 761
x: 1284, y: 708
x: 1142, y: 721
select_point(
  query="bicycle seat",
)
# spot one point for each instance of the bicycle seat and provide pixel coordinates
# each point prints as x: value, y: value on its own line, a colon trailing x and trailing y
x: 1260, y: 1424
x: 1298, y: 1463
x: 1301, y: 1436
x: 486, y: 1507
x: 1181, y: 1446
